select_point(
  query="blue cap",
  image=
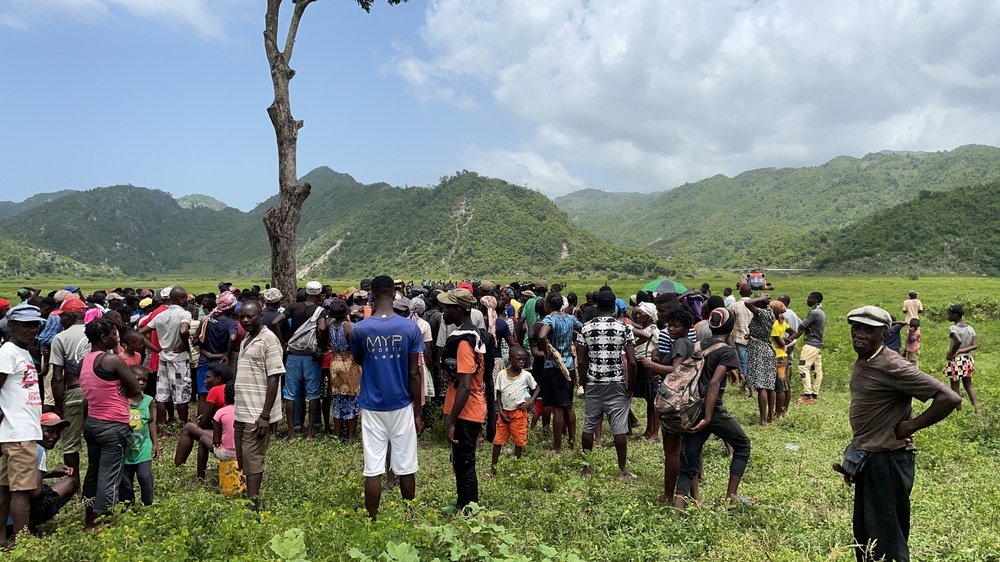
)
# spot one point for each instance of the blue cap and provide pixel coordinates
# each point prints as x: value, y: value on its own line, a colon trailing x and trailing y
x: 25, y: 313
x: 70, y: 288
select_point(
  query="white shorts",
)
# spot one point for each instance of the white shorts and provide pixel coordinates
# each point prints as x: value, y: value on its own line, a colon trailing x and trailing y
x: 381, y: 429
x: 173, y: 382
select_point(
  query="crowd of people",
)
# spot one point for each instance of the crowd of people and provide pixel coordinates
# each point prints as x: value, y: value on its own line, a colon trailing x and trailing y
x: 110, y: 369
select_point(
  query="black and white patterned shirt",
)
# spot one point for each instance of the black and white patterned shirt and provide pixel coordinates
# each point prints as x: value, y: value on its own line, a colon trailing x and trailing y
x: 605, y: 339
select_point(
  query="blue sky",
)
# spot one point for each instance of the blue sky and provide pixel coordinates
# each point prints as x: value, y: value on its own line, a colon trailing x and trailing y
x: 632, y: 95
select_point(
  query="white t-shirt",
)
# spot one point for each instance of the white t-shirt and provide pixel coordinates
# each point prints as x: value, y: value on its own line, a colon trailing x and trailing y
x: 20, y: 399
x: 168, y: 331
x: 512, y: 391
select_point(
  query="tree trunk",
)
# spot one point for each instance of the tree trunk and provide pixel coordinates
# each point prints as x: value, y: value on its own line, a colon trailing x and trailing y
x: 282, y: 221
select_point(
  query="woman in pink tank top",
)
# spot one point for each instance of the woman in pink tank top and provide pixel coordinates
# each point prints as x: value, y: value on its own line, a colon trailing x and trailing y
x: 107, y: 383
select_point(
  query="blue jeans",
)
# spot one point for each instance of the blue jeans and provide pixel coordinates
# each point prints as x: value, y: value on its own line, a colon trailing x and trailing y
x: 301, y: 368
x: 741, y: 350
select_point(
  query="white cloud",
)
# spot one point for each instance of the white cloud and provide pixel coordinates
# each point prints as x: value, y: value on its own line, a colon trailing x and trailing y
x: 524, y: 168
x: 12, y: 21
x: 207, y: 18
x: 659, y: 92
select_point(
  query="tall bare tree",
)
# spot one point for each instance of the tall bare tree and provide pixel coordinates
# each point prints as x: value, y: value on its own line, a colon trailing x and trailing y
x: 281, y: 222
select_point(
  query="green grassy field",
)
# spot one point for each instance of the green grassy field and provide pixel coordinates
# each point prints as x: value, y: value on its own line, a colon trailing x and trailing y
x: 539, y: 508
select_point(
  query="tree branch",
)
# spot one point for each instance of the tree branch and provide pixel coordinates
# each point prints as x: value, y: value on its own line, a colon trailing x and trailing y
x: 271, y: 28
x: 293, y: 28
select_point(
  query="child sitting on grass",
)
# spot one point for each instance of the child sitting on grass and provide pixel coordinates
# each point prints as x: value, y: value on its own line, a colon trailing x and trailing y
x: 513, y: 404
x: 218, y: 375
x: 223, y: 436
x: 143, y: 448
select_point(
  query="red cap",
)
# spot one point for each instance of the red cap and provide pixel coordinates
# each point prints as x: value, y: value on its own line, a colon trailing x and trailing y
x: 4, y: 302
x: 71, y: 305
x: 52, y: 419
x: 466, y: 286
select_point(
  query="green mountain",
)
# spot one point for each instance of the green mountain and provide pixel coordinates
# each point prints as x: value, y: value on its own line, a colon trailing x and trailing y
x: 21, y: 260
x: 780, y: 213
x: 134, y: 229
x: 10, y: 208
x: 597, y: 210
x: 936, y: 232
x: 196, y: 200
x: 468, y: 225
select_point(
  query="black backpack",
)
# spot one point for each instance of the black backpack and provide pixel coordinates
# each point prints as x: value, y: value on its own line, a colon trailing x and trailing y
x: 449, y: 355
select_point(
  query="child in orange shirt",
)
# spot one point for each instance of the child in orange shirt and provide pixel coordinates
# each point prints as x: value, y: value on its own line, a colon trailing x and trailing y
x: 132, y: 344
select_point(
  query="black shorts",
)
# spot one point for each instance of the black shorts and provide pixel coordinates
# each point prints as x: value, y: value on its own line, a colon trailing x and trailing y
x: 556, y: 390
x: 43, y: 508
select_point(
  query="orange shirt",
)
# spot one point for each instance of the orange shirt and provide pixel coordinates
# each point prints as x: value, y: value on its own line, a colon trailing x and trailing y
x: 135, y: 359
x: 469, y: 362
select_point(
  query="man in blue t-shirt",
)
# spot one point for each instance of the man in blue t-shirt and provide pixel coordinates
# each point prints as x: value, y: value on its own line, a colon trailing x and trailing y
x: 388, y: 347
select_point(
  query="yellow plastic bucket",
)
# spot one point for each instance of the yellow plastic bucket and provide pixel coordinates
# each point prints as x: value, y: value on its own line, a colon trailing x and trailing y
x: 230, y: 478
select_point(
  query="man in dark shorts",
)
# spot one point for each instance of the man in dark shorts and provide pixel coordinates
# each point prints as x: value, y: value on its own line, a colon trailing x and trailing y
x: 883, y: 386
x: 46, y: 501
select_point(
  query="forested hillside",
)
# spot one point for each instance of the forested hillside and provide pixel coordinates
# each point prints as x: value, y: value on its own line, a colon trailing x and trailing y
x: 468, y: 225
x: 11, y: 208
x: 723, y: 221
x: 471, y: 225
x: 21, y: 260
x: 954, y: 232
x: 134, y: 229
x: 598, y: 210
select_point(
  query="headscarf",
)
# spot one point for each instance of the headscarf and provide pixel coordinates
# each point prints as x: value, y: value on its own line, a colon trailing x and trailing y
x: 225, y: 301
x: 490, y: 303
x: 417, y: 307
x: 649, y: 309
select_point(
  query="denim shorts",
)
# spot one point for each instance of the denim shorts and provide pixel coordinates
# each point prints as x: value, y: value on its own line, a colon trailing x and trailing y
x: 301, y: 368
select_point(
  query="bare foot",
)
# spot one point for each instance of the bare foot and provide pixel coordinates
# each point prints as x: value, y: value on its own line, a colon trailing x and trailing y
x: 586, y: 472
x: 653, y: 440
x: 310, y: 438
x: 626, y: 475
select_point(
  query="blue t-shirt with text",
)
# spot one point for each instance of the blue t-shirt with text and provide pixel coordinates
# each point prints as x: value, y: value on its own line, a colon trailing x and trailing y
x: 387, y: 344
